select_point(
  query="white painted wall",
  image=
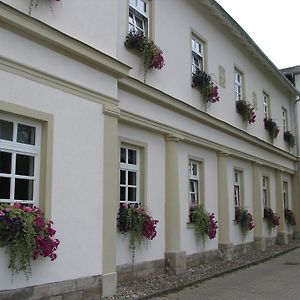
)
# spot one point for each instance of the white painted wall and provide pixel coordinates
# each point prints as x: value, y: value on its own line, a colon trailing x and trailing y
x: 190, y: 243
x: 155, y: 195
x: 78, y: 123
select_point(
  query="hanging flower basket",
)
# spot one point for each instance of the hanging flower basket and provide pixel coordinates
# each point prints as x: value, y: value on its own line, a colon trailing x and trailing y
x: 246, y: 110
x: 151, y: 54
x: 203, y: 82
x: 204, y: 222
x: 272, y: 127
x: 244, y: 219
x: 138, y: 224
x: 271, y: 218
x: 289, y: 138
x: 26, y: 234
x: 289, y: 217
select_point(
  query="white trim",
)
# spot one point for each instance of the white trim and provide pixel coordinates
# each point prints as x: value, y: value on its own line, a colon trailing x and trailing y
x: 138, y: 14
x: 197, y: 55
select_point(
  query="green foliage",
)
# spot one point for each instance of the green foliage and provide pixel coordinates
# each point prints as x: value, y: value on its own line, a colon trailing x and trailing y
x: 244, y: 219
x: 200, y: 218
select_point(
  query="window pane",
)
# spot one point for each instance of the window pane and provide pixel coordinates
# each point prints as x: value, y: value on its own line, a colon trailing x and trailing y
x: 25, y: 165
x: 132, y: 194
x: 193, y: 198
x: 5, y: 162
x: 122, y: 193
x: 131, y: 157
x: 122, y: 177
x: 123, y: 155
x: 139, y: 23
x: 131, y: 178
x: 4, y: 188
x: 192, y: 186
x: 23, y: 189
x: 6, y: 130
x: 26, y: 134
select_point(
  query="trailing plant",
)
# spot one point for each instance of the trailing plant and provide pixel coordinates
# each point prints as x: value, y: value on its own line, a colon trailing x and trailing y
x: 204, y: 222
x: 137, y: 223
x: 151, y: 54
x: 203, y: 82
x: 35, y: 3
x: 289, y: 138
x: 289, y: 217
x: 27, y: 235
x: 244, y: 219
x: 272, y: 127
x: 271, y: 218
x: 246, y: 110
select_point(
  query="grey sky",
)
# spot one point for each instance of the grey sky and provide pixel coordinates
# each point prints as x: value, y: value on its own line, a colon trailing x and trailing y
x: 273, y: 25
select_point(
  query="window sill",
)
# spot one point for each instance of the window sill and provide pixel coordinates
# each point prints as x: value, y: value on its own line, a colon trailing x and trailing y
x: 190, y: 225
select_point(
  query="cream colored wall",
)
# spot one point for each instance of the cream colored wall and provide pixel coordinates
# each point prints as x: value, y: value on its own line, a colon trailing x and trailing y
x: 155, y: 194
x: 209, y: 166
x: 222, y: 49
x: 92, y: 22
x: 77, y: 177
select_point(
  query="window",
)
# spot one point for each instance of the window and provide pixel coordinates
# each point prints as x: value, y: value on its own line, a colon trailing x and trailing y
x: 238, y: 85
x: 194, y: 182
x: 139, y: 16
x: 285, y: 194
x: 266, y: 104
x: 129, y: 174
x: 237, y: 188
x: 265, y: 186
x: 19, y: 161
x: 284, y: 120
x: 197, y: 55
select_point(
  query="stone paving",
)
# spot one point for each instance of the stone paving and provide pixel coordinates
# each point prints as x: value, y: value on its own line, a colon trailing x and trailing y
x: 275, y: 279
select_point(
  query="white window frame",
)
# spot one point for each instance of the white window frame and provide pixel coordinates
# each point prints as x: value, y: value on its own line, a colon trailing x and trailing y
x: 135, y: 168
x: 194, y: 181
x: 197, y: 55
x: 16, y: 148
x: 138, y: 14
x: 285, y: 194
x: 238, y: 85
x: 237, y: 185
x: 284, y: 120
x: 265, y: 190
x: 266, y: 105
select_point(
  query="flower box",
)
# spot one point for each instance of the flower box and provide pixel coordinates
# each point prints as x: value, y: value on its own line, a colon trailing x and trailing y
x: 289, y: 138
x: 246, y: 110
x: 244, y: 219
x: 272, y: 127
x: 271, y: 218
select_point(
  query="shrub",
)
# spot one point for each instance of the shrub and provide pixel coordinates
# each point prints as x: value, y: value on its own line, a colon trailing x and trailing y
x: 246, y: 110
x: 271, y: 218
x: 244, y: 219
x: 205, y: 223
x: 137, y: 223
x: 272, y: 127
x: 203, y: 82
x: 289, y: 217
x: 27, y: 235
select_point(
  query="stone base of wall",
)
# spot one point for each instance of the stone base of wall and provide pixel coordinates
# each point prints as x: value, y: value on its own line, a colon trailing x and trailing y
x: 282, y: 238
x: 226, y: 251
x: 197, y: 259
x: 244, y: 248
x: 128, y: 272
x: 262, y: 243
x: 88, y: 288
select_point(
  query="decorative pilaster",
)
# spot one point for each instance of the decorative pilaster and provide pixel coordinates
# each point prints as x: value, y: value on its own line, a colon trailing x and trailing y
x: 296, y: 202
x: 224, y: 205
x: 110, y: 200
x: 259, y: 239
x: 282, y: 236
x: 175, y: 257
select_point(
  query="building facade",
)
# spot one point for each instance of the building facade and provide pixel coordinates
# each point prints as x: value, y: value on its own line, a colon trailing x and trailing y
x: 100, y: 132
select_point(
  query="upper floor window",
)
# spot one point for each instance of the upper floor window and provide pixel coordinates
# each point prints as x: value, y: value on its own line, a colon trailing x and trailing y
x: 285, y: 194
x: 238, y: 85
x: 19, y: 160
x: 266, y: 105
x: 265, y: 186
x: 237, y: 188
x: 284, y: 120
x: 194, y: 182
x: 139, y: 16
x: 197, y: 55
x: 129, y: 174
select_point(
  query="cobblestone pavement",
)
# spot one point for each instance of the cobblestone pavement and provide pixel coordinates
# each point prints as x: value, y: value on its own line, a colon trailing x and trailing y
x: 276, y: 279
